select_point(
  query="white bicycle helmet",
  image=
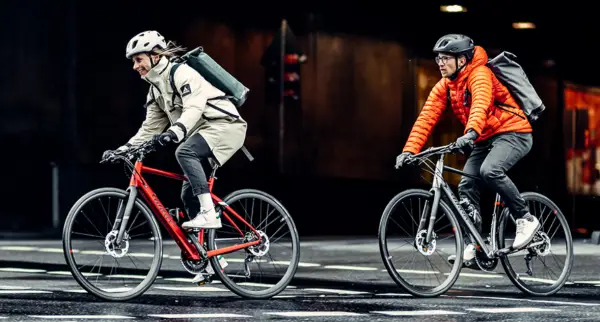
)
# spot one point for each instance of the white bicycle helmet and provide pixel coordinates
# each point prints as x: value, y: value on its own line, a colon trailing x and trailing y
x: 145, y: 42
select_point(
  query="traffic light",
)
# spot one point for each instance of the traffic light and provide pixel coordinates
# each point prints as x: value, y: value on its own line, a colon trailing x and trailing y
x: 293, y: 57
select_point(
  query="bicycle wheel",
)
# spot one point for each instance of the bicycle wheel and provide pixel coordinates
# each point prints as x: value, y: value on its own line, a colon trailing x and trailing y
x: 547, y: 251
x: 99, y: 280
x: 445, y: 229
x: 240, y: 274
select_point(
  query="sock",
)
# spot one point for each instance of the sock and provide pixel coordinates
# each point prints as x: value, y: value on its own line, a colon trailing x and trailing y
x: 206, y: 202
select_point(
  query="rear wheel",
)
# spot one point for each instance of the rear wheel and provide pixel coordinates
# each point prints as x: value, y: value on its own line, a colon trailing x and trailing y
x: 531, y: 268
x: 263, y: 270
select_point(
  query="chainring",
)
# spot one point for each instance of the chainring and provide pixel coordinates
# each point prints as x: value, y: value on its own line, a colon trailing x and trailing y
x: 485, y: 264
x: 194, y: 267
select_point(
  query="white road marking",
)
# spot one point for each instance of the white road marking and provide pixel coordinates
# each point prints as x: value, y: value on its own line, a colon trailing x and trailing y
x: 587, y: 282
x: 300, y: 264
x: 117, y: 289
x: 490, y: 275
x: 52, y: 250
x: 529, y: 300
x: 412, y: 313
x: 23, y: 291
x: 186, y: 280
x: 130, y: 276
x: 11, y: 287
x: 411, y: 271
x: 202, y: 315
x: 334, y: 291
x: 512, y: 310
x: 351, y: 268
x: 75, y: 291
x: 312, y: 313
x: 82, y: 316
x: 141, y: 254
x: 394, y: 294
x: 19, y: 248
x: 22, y: 270
x: 93, y: 252
x: 261, y: 284
x: 69, y: 273
x: 191, y: 288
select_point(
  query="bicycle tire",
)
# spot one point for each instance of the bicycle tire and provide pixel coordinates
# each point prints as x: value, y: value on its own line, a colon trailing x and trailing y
x: 292, y: 268
x: 78, y: 276
x: 452, y: 277
x: 512, y: 275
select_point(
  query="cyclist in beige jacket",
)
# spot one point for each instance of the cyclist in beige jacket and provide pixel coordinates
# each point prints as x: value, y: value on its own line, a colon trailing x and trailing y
x: 204, y: 129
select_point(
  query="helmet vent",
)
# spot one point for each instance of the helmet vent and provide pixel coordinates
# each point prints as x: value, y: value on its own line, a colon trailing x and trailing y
x: 134, y: 44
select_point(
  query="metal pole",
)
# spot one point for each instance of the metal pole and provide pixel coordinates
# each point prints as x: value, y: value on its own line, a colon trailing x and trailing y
x: 55, y: 208
x: 281, y: 96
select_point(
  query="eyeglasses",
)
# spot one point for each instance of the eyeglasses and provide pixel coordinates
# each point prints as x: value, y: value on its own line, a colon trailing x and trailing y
x: 444, y: 59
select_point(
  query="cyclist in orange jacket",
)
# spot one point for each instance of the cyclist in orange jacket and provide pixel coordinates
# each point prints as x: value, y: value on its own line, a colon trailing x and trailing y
x: 495, y: 127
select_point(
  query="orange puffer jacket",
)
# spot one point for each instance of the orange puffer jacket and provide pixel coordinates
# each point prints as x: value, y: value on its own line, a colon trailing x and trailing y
x: 477, y: 98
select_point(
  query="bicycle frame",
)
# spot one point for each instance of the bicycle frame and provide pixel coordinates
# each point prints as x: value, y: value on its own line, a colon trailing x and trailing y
x: 439, y: 188
x: 193, y: 250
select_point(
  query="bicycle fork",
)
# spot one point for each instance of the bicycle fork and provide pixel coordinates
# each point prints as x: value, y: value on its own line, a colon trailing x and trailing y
x: 123, y: 214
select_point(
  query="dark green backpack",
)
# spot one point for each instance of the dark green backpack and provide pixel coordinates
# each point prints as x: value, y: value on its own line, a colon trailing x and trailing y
x: 200, y: 61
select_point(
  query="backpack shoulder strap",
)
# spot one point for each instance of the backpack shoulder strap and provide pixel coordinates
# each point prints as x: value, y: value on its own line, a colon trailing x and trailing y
x: 172, y: 78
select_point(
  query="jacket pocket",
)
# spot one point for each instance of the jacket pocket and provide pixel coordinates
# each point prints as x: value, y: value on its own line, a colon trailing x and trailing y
x: 506, y: 108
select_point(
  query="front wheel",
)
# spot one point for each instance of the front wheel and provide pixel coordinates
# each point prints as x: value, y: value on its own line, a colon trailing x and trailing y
x: 264, y: 270
x: 422, y: 268
x: 542, y: 268
x: 111, y: 271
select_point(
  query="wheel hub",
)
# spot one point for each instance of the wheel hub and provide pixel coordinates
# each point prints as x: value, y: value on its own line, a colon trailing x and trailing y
x: 543, y: 249
x: 422, y: 246
x: 114, y: 250
x: 262, y: 248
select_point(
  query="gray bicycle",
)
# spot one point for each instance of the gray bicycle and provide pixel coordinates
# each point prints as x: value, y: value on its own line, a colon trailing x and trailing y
x: 433, y: 231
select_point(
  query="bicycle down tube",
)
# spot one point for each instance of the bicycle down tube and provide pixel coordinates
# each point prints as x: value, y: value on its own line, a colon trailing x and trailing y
x: 439, y: 187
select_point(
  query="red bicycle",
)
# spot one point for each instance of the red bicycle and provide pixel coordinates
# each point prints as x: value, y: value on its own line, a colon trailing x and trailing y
x: 129, y: 221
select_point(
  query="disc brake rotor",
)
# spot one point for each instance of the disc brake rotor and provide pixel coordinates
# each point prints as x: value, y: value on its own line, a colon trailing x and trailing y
x: 114, y: 250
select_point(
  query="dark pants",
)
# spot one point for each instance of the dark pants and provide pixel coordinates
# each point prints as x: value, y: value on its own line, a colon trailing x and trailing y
x: 189, y: 154
x: 491, y: 159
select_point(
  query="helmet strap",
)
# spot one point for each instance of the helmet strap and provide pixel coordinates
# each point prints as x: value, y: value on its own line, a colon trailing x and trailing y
x: 458, y: 69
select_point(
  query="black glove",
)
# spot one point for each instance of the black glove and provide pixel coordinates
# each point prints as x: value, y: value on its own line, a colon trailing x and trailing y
x: 164, y: 138
x: 403, y: 157
x: 108, y: 153
x: 466, y: 141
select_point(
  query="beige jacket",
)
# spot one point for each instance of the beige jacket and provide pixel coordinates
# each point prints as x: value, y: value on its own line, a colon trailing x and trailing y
x: 188, y: 113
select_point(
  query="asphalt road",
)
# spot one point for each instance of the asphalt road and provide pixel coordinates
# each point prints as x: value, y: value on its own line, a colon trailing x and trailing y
x: 338, y: 279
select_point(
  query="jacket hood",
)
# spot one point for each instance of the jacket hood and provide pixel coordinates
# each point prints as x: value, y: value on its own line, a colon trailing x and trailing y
x: 480, y: 58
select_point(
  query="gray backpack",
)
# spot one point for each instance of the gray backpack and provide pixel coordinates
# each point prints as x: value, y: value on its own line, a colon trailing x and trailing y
x: 510, y: 73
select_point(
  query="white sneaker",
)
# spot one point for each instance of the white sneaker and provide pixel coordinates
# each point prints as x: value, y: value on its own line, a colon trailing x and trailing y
x: 208, y: 219
x: 468, y: 255
x: 526, y: 229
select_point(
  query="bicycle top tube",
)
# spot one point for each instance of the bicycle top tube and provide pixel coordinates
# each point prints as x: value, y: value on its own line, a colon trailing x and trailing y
x: 435, y: 150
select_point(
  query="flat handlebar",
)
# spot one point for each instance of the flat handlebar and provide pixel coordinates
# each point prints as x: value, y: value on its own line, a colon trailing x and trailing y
x: 137, y: 152
x: 449, y: 148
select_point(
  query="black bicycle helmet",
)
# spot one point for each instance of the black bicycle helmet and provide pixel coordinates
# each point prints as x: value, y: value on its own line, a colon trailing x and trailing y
x: 456, y: 45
